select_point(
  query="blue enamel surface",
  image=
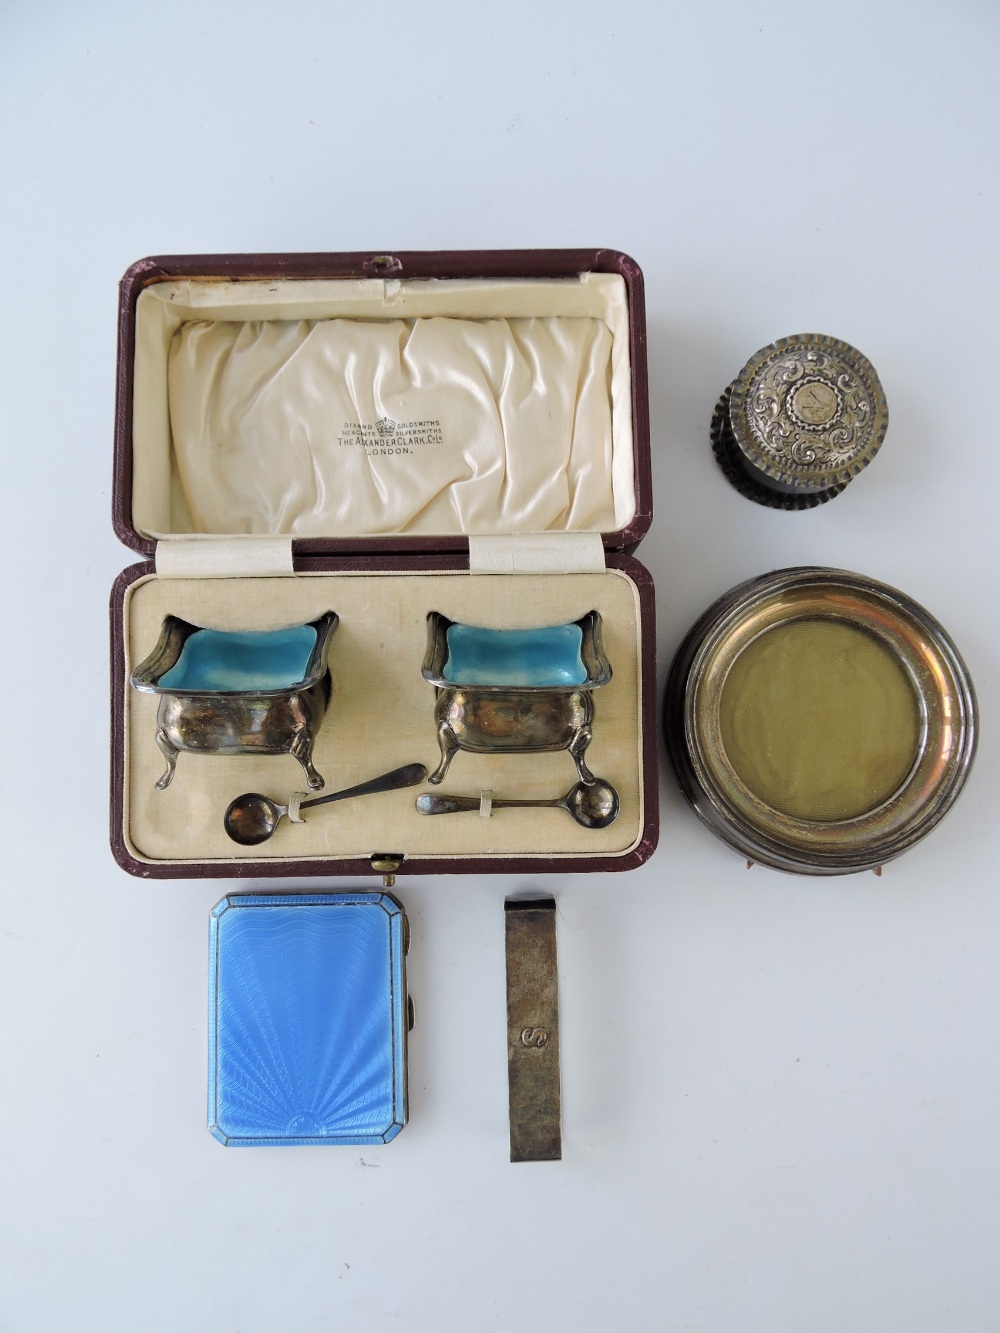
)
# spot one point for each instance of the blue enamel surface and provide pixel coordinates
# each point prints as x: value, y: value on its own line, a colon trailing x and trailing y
x: 213, y: 659
x: 549, y: 656
x: 307, y: 1019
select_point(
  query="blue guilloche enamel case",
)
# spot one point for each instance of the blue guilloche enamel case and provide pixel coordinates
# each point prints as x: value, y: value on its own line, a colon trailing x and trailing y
x: 308, y: 1019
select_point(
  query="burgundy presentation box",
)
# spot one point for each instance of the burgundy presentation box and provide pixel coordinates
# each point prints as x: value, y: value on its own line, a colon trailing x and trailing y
x: 407, y: 441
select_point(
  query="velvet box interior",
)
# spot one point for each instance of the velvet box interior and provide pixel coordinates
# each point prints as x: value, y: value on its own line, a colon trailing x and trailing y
x: 382, y: 437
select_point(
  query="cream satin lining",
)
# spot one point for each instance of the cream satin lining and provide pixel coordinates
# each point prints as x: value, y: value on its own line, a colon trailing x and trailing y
x: 483, y: 426
x: 381, y: 715
x: 366, y: 408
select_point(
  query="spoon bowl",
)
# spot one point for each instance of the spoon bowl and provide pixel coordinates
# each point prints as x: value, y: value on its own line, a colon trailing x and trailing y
x: 252, y: 818
x: 593, y: 806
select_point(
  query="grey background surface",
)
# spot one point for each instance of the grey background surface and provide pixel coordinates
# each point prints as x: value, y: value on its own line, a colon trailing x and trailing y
x: 781, y: 1108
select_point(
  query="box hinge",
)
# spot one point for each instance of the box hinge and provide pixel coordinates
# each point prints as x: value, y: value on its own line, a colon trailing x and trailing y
x: 537, y: 553
x: 201, y: 557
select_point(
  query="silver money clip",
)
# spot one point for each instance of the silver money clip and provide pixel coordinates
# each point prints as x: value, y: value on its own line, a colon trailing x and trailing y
x: 532, y: 1030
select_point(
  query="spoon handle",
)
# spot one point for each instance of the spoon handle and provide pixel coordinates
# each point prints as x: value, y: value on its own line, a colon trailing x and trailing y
x: 407, y: 776
x: 436, y: 803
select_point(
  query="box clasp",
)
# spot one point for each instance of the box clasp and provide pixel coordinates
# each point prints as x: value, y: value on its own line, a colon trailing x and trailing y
x: 386, y: 864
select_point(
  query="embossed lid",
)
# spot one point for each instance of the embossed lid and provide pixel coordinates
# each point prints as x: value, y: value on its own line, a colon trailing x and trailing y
x: 800, y: 421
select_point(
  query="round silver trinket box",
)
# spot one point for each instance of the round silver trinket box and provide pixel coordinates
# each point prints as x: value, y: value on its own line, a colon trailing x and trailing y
x: 818, y: 721
x: 800, y: 421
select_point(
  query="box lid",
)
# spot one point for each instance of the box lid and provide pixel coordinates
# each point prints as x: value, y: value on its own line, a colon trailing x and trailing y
x: 518, y: 381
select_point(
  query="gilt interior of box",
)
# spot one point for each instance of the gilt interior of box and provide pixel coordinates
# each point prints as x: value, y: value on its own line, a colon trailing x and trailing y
x: 337, y: 408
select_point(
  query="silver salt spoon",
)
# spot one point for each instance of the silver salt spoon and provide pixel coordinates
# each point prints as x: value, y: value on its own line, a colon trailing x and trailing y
x: 252, y: 818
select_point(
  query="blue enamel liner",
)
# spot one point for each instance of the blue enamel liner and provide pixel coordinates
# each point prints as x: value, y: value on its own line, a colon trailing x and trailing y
x: 220, y: 660
x: 550, y: 656
x: 191, y: 660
